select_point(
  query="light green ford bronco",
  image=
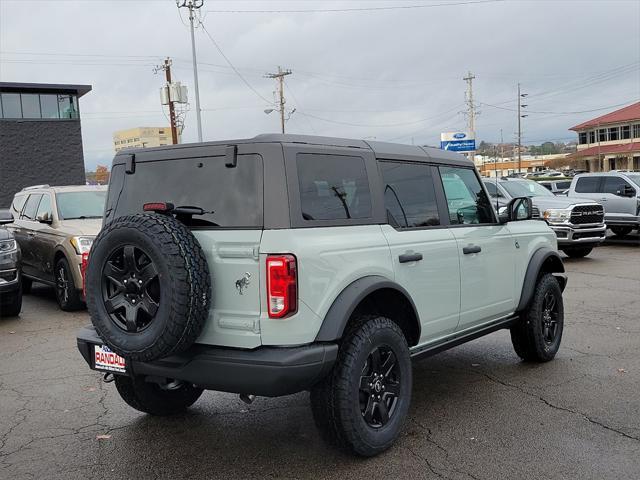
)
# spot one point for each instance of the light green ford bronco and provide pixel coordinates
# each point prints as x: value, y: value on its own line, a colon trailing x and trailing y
x: 285, y: 263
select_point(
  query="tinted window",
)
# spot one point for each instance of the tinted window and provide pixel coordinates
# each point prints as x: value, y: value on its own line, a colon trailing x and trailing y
x: 77, y: 205
x: 11, y: 105
x: 44, y: 207
x: 67, y: 106
x: 409, y: 195
x: 588, y: 184
x: 614, y: 185
x: 467, y: 201
x: 18, y: 203
x: 546, y: 185
x: 31, y: 207
x: 333, y: 187
x: 49, y: 105
x: 231, y: 197
x: 493, y: 190
x: 563, y: 185
x: 30, y: 105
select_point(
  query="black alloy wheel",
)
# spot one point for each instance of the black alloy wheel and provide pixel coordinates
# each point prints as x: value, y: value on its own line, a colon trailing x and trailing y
x: 130, y: 288
x: 379, y: 387
x: 62, y: 284
x: 67, y: 295
x: 549, y: 317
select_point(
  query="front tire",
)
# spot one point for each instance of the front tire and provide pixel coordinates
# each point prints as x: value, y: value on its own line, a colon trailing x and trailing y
x: 361, y: 405
x: 154, y: 399
x: 67, y: 294
x: 11, y: 303
x: 27, y: 283
x: 537, y: 337
x: 577, y: 252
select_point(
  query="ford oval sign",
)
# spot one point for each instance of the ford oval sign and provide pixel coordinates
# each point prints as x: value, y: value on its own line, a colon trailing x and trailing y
x: 459, y: 136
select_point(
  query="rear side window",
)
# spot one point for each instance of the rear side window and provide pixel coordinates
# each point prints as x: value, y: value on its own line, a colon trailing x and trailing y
x: 614, y: 185
x: 18, y: 203
x: 333, y: 187
x: 409, y: 195
x: 563, y: 185
x: 467, y: 201
x: 31, y: 206
x: 588, y: 184
x: 546, y: 185
x: 231, y: 197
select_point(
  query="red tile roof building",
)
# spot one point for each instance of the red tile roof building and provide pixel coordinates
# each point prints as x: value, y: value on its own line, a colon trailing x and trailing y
x: 611, y: 141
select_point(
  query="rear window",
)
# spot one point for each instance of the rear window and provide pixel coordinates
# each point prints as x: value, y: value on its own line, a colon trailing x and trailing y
x: 587, y: 184
x: 333, y: 187
x: 231, y: 197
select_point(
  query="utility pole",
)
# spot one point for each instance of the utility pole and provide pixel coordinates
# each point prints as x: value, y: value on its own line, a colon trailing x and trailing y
x: 520, y: 117
x: 194, y: 5
x: 280, y: 78
x: 471, y: 110
x: 172, y: 111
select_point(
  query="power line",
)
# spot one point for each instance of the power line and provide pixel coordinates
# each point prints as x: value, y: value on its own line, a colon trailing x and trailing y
x: 237, y: 72
x: 559, y: 113
x: 295, y: 99
x: 361, y: 9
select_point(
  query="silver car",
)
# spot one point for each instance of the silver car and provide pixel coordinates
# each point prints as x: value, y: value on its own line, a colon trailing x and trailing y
x: 618, y: 192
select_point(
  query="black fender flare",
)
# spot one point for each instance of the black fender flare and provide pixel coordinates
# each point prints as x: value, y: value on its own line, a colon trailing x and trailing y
x: 543, y: 258
x: 346, y: 302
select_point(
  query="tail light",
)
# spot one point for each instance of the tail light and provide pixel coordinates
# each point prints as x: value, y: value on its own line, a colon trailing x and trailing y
x: 83, y: 269
x: 282, y: 285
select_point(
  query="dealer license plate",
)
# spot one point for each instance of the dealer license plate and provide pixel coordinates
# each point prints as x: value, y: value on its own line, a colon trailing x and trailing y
x: 107, y: 360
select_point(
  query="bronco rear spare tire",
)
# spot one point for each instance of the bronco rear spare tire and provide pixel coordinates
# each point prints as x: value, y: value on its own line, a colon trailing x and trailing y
x: 148, y: 286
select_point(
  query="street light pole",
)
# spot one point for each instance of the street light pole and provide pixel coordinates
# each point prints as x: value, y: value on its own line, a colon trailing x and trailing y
x: 193, y: 5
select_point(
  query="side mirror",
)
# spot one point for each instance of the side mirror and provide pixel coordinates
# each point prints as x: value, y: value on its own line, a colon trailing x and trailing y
x: 44, y: 218
x: 519, y: 208
x: 627, y: 191
x: 6, y: 217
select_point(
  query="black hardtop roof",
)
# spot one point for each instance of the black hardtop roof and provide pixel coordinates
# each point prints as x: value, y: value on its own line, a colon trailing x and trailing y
x: 386, y: 150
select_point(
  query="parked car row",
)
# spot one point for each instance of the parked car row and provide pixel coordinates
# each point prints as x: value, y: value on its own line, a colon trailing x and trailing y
x: 52, y: 229
x: 580, y: 209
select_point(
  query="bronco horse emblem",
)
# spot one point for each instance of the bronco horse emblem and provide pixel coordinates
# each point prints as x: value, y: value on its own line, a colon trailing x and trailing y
x: 244, y: 282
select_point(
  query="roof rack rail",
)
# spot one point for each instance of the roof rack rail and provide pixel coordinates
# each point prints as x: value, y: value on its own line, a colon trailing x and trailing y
x: 34, y: 187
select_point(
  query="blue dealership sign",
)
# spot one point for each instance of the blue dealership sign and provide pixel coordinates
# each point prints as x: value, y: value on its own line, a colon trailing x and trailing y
x: 457, y: 142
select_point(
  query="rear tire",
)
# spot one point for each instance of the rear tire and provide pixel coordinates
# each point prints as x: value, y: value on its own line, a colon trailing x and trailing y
x: 621, y: 231
x: 361, y: 405
x: 537, y: 336
x: 11, y: 303
x: 153, y: 399
x: 577, y: 252
x: 67, y: 294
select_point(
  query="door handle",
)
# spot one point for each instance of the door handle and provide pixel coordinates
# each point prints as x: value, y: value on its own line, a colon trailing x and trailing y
x: 410, y: 257
x: 471, y: 249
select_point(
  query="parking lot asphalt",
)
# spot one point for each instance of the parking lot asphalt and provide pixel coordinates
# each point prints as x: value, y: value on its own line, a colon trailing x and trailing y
x: 478, y: 412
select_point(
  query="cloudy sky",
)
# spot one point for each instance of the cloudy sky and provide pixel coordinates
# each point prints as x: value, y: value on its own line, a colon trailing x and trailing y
x: 363, y: 70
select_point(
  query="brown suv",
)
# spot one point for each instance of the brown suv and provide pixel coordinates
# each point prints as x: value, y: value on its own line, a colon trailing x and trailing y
x: 55, y: 227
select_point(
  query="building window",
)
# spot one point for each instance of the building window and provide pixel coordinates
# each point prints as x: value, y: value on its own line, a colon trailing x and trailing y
x: 636, y: 130
x: 30, y: 105
x: 625, y: 132
x: 67, y: 105
x: 582, y: 138
x: 49, y: 106
x: 602, y: 135
x: 160, y: 132
x: 11, y: 107
x: 614, y: 133
x: 592, y: 136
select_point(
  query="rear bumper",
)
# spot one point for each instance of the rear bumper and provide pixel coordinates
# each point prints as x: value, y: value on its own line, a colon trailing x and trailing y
x: 264, y: 371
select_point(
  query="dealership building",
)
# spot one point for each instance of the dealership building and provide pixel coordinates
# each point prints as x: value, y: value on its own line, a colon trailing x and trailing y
x: 610, y: 142
x: 40, y: 136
